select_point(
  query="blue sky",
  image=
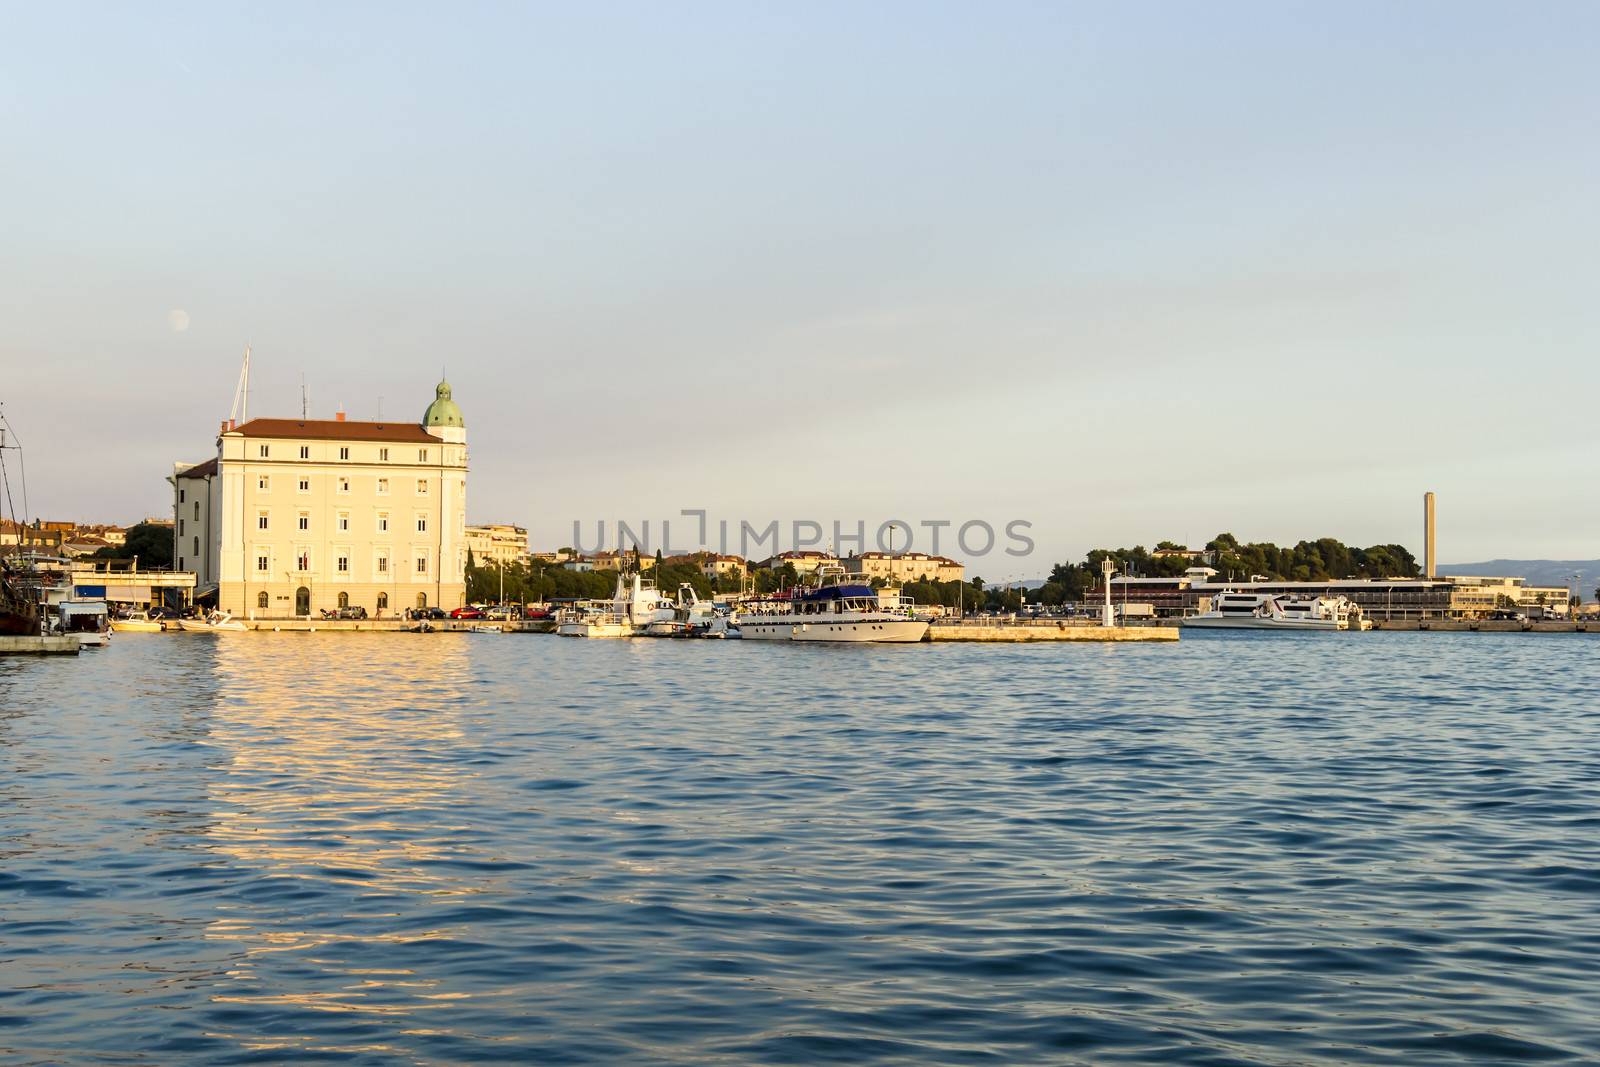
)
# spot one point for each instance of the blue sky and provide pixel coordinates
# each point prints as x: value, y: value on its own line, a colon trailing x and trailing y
x: 1128, y: 272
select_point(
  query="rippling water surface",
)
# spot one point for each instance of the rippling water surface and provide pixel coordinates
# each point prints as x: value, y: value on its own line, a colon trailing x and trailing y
x: 1245, y: 849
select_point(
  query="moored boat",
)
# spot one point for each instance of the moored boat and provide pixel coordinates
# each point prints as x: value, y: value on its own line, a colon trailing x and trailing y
x: 839, y: 607
x: 88, y: 619
x: 137, y: 623
x: 214, y: 623
x: 1269, y: 611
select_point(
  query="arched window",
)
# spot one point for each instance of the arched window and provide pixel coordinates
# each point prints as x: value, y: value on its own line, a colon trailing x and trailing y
x: 344, y: 600
x: 422, y: 600
x: 383, y: 601
x: 261, y: 599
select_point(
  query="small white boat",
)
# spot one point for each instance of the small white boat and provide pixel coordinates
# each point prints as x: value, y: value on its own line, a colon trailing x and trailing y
x: 88, y: 619
x: 137, y: 623
x: 587, y: 621
x: 482, y: 628
x: 1270, y: 611
x: 215, y: 623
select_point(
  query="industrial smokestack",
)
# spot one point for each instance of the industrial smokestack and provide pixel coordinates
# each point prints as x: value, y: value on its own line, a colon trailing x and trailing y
x: 1429, y: 559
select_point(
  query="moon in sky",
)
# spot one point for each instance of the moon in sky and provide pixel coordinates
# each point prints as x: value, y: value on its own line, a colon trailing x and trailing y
x: 178, y: 319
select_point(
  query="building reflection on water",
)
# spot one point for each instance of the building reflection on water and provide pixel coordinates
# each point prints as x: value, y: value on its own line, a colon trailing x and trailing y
x: 334, y: 800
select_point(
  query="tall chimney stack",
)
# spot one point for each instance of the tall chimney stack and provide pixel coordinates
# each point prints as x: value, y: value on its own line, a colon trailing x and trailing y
x: 1429, y: 559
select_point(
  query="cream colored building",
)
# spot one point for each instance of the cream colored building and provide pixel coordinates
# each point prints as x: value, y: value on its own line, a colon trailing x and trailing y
x: 293, y: 517
x: 905, y: 567
x: 1475, y: 597
x: 804, y: 561
x: 499, y: 543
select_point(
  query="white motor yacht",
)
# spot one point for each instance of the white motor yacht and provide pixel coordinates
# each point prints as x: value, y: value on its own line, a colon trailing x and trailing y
x: 1276, y: 611
x: 839, y: 607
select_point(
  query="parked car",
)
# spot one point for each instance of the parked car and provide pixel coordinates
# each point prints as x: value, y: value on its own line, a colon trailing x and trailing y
x: 355, y: 611
x: 468, y: 612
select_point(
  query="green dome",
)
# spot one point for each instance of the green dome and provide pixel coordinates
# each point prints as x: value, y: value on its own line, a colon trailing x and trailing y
x: 443, y: 411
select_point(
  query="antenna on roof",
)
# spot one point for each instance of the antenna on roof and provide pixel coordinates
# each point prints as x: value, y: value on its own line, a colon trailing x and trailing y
x: 380, y: 408
x: 240, y: 412
x: 305, y: 399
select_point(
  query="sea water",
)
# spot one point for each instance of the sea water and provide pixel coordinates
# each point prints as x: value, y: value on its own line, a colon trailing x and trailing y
x: 396, y: 848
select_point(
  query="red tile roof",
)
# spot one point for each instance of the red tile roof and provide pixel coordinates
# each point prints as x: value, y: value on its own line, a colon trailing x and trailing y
x: 201, y: 470
x: 332, y: 429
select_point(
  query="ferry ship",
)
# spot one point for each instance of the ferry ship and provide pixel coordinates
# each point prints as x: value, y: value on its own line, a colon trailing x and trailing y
x: 839, y: 607
x: 1268, y: 611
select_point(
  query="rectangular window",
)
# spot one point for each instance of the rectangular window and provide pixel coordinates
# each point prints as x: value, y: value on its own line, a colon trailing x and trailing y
x: 180, y: 527
x: 344, y: 453
x: 262, y: 564
x: 261, y: 520
x: 344, y: 520
x: 422, y: 487
x: 422, y: 455
x: 383, y: 487
x: 383, y: 522
x: 262, y: 483
x: 383, y: 455
x: 305, y: 521
x: 422, y: 564
x: 383, y: 564
x: 305, y: 451
x: 264, y: 451
x: 303, y: 560
x: 344, y: 565
x: 183, y: 496
x: 197, y: 510
x: 344, y: 485
x: 305, y: 485
x: 422, y: 524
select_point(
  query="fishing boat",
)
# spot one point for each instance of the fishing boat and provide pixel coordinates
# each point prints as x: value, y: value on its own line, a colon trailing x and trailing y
x: 838, y: 607
x: 19, y: 601
x: 216, y: 622
x: 1276, y: 611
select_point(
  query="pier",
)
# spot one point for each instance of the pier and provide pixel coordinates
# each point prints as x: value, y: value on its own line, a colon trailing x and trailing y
x: 1047, y: 631
x: 27, y: 644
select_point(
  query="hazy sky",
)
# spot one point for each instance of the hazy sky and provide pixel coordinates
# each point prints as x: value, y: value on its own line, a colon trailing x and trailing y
x: 1130, y: 272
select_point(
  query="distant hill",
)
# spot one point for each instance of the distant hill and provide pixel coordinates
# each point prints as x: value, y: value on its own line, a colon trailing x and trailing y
x: 1535, y: 571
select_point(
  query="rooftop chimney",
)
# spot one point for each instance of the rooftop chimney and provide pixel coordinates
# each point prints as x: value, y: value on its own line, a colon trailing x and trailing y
x: 1430, y: 560
x: 338, y: 416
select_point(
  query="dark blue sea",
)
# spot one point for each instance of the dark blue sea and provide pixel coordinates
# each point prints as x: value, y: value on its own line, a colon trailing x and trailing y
x: 403, y: 849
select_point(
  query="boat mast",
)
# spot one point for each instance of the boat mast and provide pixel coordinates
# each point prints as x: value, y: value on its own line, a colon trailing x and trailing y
x: 239, y: 414
x: 13, y: 445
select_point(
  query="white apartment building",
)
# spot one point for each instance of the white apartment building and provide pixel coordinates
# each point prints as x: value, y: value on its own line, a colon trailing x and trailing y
x: 297, y: 516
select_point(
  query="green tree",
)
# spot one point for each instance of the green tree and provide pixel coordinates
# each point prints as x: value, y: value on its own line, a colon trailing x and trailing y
x: 151, y: 544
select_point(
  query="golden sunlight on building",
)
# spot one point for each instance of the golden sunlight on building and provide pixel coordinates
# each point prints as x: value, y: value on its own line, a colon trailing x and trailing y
x: 294, y: 516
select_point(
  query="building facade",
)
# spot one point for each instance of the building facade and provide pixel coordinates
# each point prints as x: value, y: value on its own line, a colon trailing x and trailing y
x: 294, y: 517
x: 905, y: 567
x: 501, y: 544
x: 1476, y: 597
x: 804, y: 561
